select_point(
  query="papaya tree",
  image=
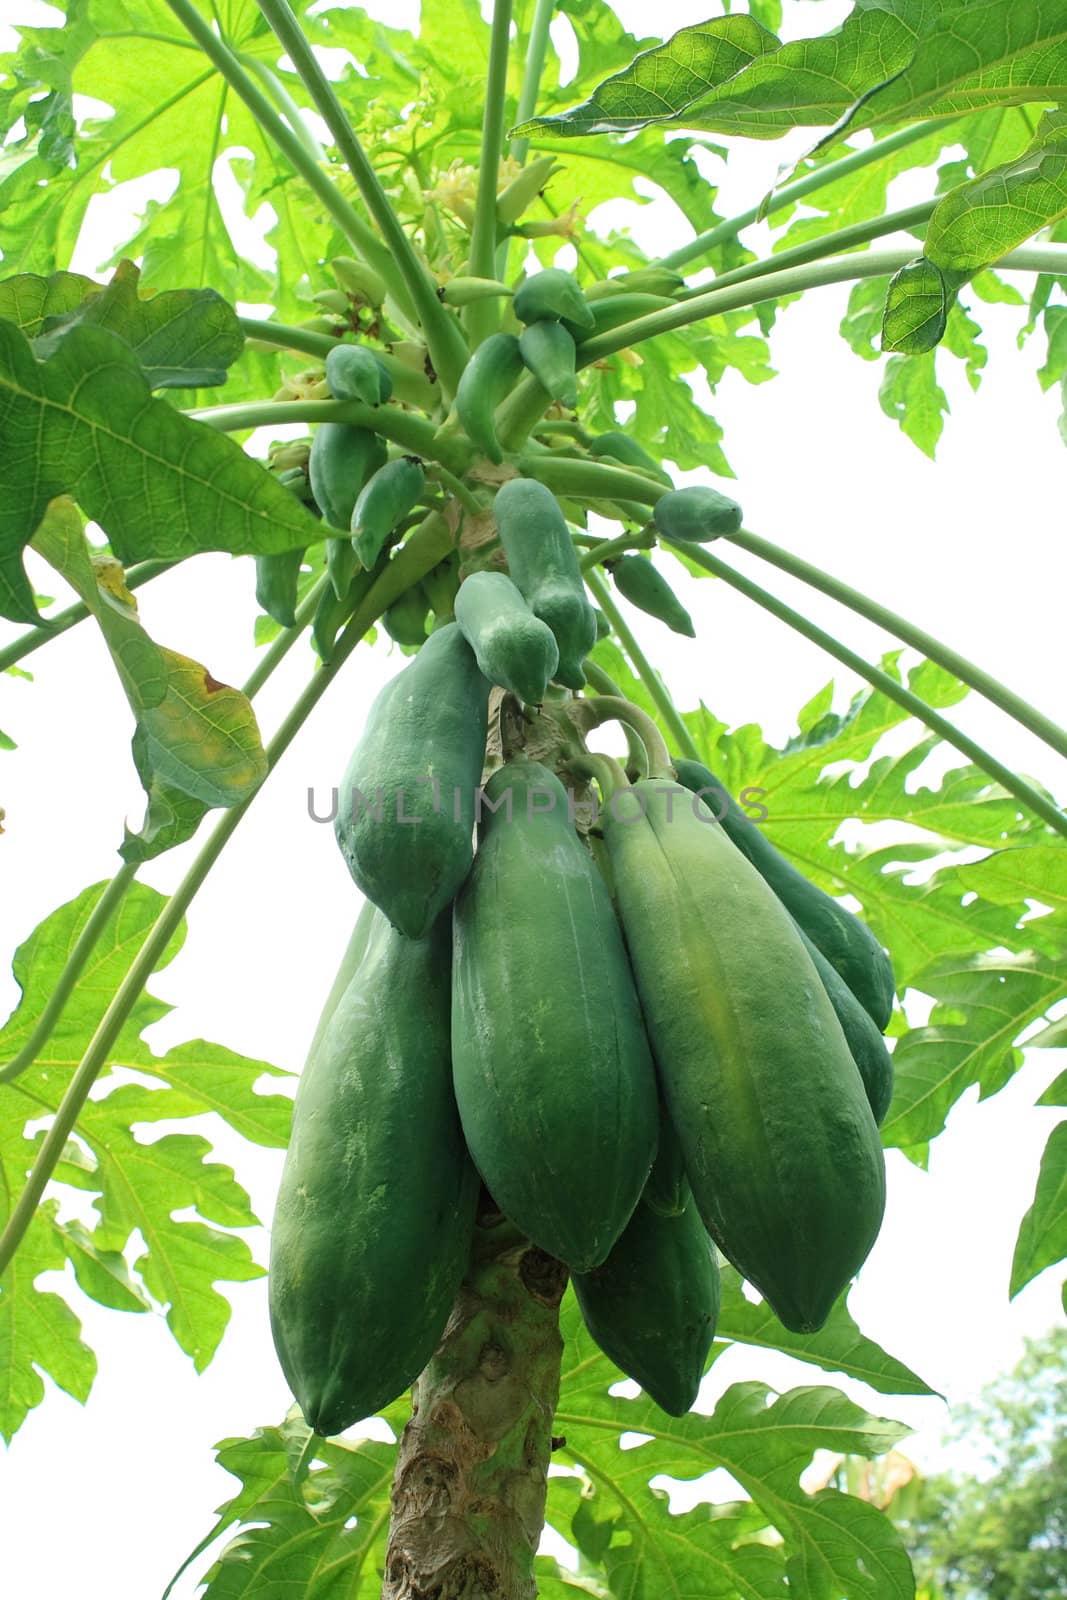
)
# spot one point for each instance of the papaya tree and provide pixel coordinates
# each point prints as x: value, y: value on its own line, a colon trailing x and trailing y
x: 601, y: 1089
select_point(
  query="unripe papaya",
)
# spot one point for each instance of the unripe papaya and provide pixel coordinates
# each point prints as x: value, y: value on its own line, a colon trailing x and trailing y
x: 375, y: 1213
x: 653, y: 1305
x: 696, y: 514
x: 405, y: 620
x: 780, y: 1146
x: 639, y: 581
x: 544, y: 567
x: 405, y: 816
x: 386, y: 497
x: 549, y: 295
x: 354, y: 373
x: 490, y: 374
x: 513, y: 648
x: 277, y: 577
x: 554, y: 1082
x: 843, y: 938
x: 548, y: 351
x: 342, y: 459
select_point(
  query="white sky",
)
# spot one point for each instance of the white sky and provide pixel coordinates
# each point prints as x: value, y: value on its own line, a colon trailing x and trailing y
x: 970, y: 548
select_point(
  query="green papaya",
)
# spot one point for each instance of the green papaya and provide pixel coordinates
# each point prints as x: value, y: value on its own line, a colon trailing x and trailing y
x: 513, y: 648
x: 387, y: 496
x: 341, y: 564
x: 490, y: 374
x: 645, y: 587
x: 548, y: 352
x: 653, y: 1304
x: 846, y: 942
x: 553, y: 1077
x: 342, y: 459
x: 405, y: 620
x: 277, y: 578
x: 354, y: 373
x: 862, y: 1035
x: 696, y: 514
x: 468, y: 291
x: 780, y: 1146
x: 406, y: 805
x: 667, y: 1189
x: 544, y: 567
x: 548, y: 295
x: 375, y: 1213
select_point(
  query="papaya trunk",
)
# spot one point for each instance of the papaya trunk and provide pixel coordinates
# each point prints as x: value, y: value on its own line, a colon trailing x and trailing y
x: 468, y: 1501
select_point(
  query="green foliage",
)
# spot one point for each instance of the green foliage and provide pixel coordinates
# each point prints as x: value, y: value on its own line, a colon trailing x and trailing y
x: 138, y: 1184
x: 298, y: 1496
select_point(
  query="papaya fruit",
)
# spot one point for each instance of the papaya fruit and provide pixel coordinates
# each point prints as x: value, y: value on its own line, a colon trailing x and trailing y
x: 386, y: 497
x: 277, y: 578
x: 780, y: 1146
x: 375, y: 1213
x: 341, y: 564
x: 696, y: 515
x: 645, y: 587
x: 862, y: 1035
x: 548, y: 352
x: 653, y: 1304
x: 405, y: 816
x: 354, y: 373
x: 553, y: 1077
x: 405, y: 620
x: 342, y: 459
x: 549, y: 295
x: 490, y: 374
x: 667, y: 1189
x: 513, y: 648
x: 544, y: 567
x: 846, y: 942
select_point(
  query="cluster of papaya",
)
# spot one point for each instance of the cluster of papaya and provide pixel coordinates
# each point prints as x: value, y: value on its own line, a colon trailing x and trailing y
x: 649, y: 1038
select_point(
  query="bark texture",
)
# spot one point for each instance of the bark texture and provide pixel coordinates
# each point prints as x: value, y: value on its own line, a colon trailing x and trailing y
x: 468, y: 1501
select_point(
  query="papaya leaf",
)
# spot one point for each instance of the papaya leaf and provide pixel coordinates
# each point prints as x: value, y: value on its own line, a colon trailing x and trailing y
x: 665, y: 82
x: 832, y: 1542
x: 916, y: 308
x: 188, y: 1210
x: 311, y: 1514
x: 983, y: 1003
x: 84, y: 423
x: 197, y: 743
x: 910, y: 395
x: 39, y: 1333
x: 314, y: 1515
x: 839, y: 1346
x: 183, y: 338
x: 1042, y: 1237
x: 972, y: 55
x: 980, y: 221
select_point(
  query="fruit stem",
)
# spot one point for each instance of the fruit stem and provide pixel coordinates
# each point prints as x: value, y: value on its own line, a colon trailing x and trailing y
x: 592, y: 713
x: 605, y: 769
